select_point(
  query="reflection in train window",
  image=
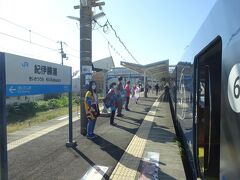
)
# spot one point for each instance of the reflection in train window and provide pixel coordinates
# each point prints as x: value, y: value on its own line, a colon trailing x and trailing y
x: 203, y: 106
x: 207, y: 129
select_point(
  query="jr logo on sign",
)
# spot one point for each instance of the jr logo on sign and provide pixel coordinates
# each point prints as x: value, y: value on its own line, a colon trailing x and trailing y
x: 25, y: 64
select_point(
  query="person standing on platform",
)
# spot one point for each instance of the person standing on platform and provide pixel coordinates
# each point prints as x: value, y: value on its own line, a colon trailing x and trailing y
x: 92, y: 109
x: 111, y: 99
x: 135, y: 93
x: 146, y: 90
x: 120, y: 96
x: 157, y: 89
x: 128, y: 92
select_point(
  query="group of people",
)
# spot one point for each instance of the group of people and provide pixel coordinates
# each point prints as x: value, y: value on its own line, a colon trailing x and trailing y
x: 117, y: 97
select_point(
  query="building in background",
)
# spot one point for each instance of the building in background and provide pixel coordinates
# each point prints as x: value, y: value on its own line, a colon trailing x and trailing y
x: 100, y: 69
x: 127, y: 74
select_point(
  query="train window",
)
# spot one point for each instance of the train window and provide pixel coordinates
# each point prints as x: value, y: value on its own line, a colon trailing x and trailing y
x: 203, y: 114
x: 207, y: 70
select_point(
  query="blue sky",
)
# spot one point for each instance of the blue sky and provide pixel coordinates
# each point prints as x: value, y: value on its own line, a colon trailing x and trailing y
x: 152, y: 30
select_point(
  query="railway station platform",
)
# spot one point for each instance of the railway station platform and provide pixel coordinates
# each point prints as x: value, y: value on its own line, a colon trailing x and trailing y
x: 141, y: 146
x: 154, y: 148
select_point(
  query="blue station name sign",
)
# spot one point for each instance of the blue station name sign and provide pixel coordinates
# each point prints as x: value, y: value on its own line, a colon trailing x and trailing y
x: 27, y: 76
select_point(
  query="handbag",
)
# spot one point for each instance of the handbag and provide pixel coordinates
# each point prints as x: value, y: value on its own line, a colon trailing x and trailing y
x: 106, y: 101
x: 96, y: 112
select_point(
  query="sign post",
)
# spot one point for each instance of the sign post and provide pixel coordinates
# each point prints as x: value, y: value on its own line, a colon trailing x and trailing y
x: 22, y: 76
x: 3, y: 121
x: 70, y: 142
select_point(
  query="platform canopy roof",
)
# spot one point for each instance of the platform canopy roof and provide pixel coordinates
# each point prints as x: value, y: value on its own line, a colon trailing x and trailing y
x: 156, y: 70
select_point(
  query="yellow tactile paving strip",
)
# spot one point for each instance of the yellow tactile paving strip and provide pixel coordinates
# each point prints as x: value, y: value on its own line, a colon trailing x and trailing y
x: 128, y: 165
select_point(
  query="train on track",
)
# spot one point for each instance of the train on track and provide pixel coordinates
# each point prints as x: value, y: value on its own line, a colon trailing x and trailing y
x: 205, y: 95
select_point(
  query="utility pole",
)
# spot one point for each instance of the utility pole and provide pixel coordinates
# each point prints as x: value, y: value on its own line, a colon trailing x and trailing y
x: 63, y: 55
x: 86, y: 17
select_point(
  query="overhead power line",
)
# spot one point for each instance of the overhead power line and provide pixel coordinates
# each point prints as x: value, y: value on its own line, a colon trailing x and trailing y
x: 36, y: 33
x: 112, y: 47
x: 10, y: 22
x: 105, y: 29
x: 72, y: 48
x: 122, y: 42
x: 45, y: 37
x: 24, y: 40
x: 32, y: 32
x: 27, y: 29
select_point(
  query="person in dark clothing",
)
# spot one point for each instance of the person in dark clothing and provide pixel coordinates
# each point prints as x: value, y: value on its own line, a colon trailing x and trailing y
x: 146, y: 90
x: 111, y: 101
x: 128, y: 92
x: 157, y: 88
x: 120, y: 95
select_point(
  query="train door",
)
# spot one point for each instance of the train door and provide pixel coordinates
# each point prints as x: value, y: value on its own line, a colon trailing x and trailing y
x: 207, y: 110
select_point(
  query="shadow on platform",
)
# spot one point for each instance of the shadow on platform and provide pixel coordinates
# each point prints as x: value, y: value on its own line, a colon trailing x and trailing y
x: 155, y: 132
x: 117, y: 153
x: 125, y: 118
x: 141, y: 104
x: 161, y: 134
x: 130, y: 130
x: 145, y: 113
x: 109, y: 147
x: 164, y: 97
x: 136, y: 122
x: 152, y: 99
x: 90, y: 162
x: 158, y: 133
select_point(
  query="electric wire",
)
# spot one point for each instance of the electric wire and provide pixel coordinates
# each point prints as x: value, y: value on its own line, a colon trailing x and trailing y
x: 31, y: 32
x: 117, y: 36
x: 105, y: 28
x: 122, y: 42
x: 24, y: 40
x: 112, y: 47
